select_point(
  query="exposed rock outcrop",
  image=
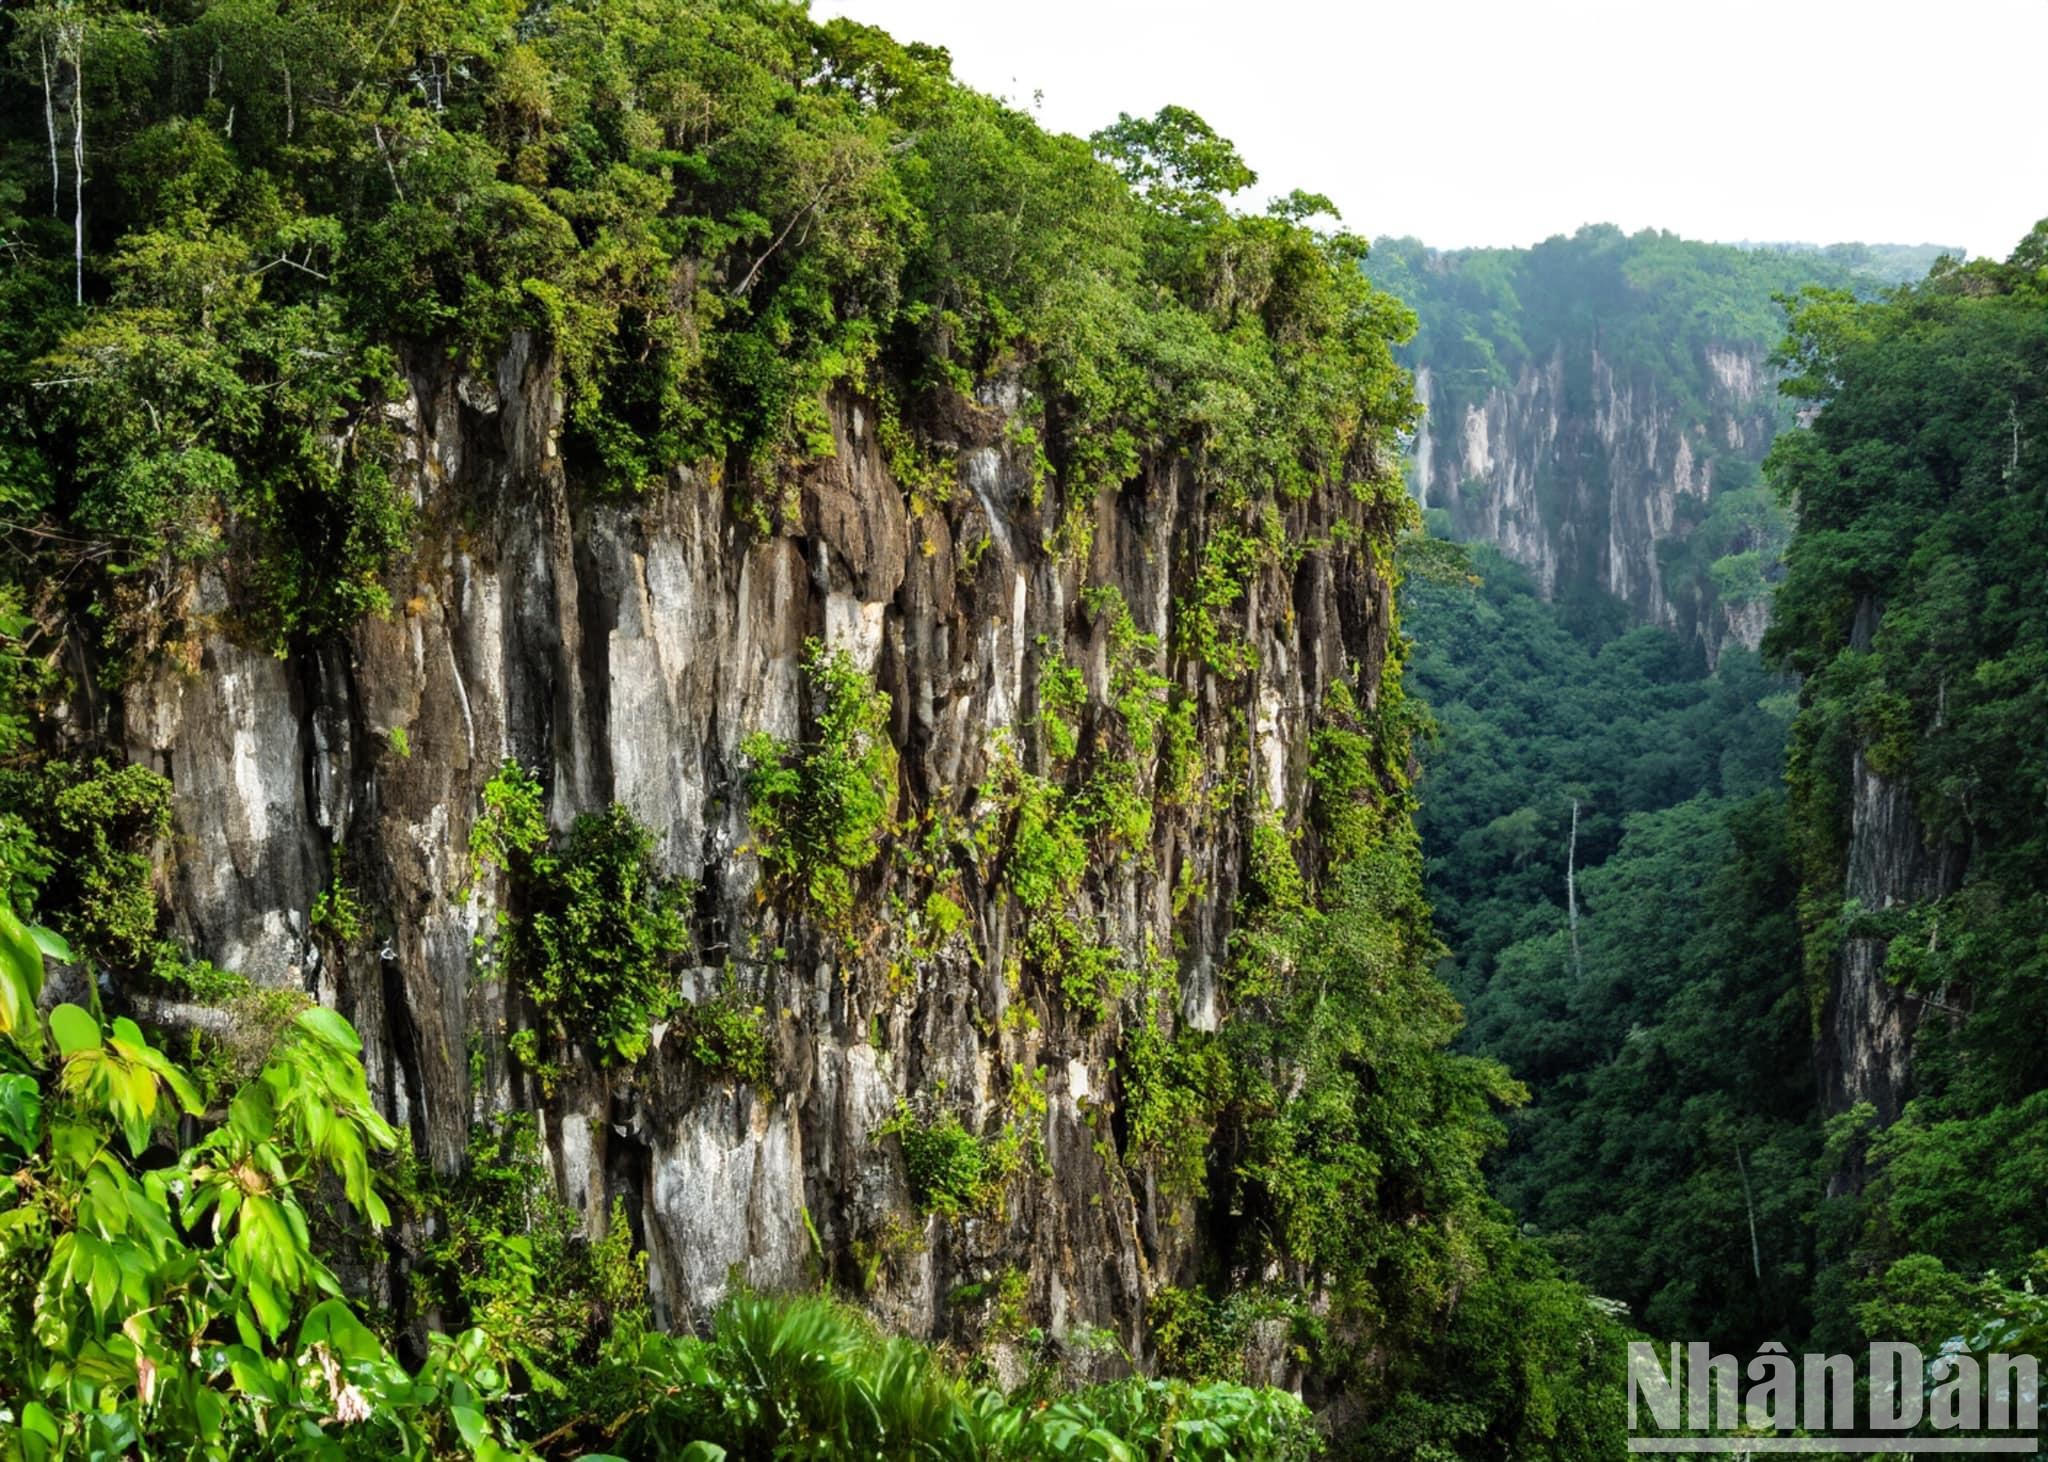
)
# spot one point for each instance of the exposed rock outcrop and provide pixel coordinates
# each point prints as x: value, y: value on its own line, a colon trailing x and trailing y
x: 1586, y: 474
x: 1868, y: 1023
x: 624, y: 649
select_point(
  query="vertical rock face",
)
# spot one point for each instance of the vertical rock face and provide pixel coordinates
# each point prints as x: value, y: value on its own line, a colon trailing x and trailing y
x: 1867, y: 1027
x: 623, y: 649
x: 1585, y: 475
x: 1868, y: 1023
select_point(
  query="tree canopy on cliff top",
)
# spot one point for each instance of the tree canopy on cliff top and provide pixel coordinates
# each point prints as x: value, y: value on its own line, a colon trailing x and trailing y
x: 229, y: 227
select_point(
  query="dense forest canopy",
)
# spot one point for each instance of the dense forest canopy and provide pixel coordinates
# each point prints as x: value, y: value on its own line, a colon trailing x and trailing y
x: 714, y: 213
x: 1579, y: 763
x: 1915, y: 610
x: 1644, y: 867
x: 1648, y: 300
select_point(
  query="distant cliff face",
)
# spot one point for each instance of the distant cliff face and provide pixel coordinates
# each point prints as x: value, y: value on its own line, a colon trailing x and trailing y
x: 624, y: 650
x: 1588, y: 476
x: 1598, y: 408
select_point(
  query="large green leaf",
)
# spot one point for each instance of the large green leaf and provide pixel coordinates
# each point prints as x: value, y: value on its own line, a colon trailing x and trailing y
x: 331, y: 1027
x: 21, y: 981
x: 469, y: 1422
x: 75, y: 1029
x: 332, y: 1322
x: 253, y: 1112
x: 39, y: 1435
x: 21, y: 1111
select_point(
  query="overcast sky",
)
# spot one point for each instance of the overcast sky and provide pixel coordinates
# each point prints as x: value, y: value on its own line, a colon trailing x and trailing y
x: 1505, y: 121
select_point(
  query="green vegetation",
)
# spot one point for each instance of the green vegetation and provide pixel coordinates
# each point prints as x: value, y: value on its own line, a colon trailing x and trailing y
x: 337, y: 911
x: 726, y: 1036
x: 812, y: 1375
x: 1576, y: 764
x: 79, y: 838
x: 951, y: 1170
x: 709, y: 214
x: 165, y: 1286
x: 165, y: 1291
x: 711, y: 223
x: 821, y: 809
x: 1173, y: 1087
x: 1678, y: 1155
x: 595, y: 931
x: 1541, y: 706
x: 1353, y: 1139
x: 1129, y: 769
x: 1919, y: 491
x: 510, y: 1261
x: 1040, y: 840
x: 1047, y: 852
x: 1062, y: 696
x: 513, y: 823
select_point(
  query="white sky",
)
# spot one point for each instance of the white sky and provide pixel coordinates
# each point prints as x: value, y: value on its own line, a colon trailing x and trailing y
x: 1505, y: 121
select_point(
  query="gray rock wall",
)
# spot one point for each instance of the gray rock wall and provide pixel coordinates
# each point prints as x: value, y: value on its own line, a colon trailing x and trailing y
x: 1579, y: 472
x: 1868, y: 1023
x: 623, y: 649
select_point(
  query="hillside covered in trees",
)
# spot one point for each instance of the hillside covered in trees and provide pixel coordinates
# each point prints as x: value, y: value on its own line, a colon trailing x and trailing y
x: 1598, y: 408
x: 1763, y: 938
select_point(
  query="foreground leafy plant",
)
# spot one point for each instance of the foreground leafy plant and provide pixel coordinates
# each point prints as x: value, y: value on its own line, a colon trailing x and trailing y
x: 811, y: 1377
x: 158, y: 1292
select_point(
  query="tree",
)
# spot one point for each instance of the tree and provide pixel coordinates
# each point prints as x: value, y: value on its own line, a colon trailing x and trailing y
x: 1177, y: 160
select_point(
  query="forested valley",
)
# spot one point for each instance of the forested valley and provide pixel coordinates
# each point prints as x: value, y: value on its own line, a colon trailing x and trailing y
x: 1663, y: 859
x: 709, y: 750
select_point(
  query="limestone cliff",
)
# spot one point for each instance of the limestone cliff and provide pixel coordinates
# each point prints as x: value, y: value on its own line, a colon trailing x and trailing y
x: 1598, y: 407
x: 1867, y: 1025
x: 1589, y: 476
x: 623, y: 648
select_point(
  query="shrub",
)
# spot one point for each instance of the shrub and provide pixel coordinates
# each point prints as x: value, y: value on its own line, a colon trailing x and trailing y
x: 821, y: 808
x: 1062, y: 696
x: 595, y: 930
x: 1047, y: 852
x: 338, y: 912
x: 950, y: 1168
x: 91, y: 828
x: 1173, y: 1089
x: 510, y: 1258
x: 598, y: 931
x: 726, y: 1036
x: 513, y: 824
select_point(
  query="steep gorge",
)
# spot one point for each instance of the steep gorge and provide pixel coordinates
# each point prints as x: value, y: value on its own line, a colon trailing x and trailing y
x: 1599, y: 409
x: 1633, y: 875
x: 799, y: 682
